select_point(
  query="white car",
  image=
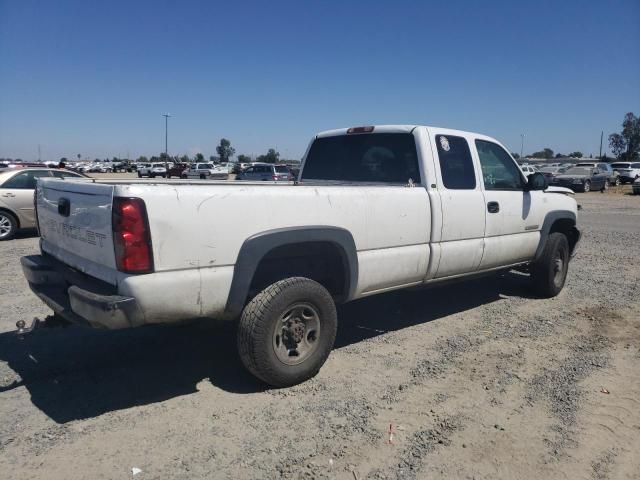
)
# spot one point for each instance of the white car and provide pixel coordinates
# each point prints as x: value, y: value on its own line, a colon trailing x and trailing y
x: 628, y: 171
x: 528, y: 169
x: 206, y: 171
x: 153, y: 170
x: 375, y: 209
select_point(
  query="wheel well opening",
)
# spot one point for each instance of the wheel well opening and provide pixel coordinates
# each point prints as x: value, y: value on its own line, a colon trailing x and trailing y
x: 568, y: 227
x: 323, y: 262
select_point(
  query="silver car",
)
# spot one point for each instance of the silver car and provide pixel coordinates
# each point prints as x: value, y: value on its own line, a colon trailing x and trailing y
x: 266, y: 172
x: 16, y: 197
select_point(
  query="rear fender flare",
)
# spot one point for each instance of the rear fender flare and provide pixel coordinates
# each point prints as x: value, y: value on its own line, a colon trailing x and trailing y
x: 257, y: 246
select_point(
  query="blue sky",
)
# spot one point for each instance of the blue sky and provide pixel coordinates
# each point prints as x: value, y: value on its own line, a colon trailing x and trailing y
x: 95, y: 77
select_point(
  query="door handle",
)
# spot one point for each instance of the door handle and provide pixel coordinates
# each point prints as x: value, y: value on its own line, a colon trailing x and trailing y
x: 8, y: 194
x: 493, y: 207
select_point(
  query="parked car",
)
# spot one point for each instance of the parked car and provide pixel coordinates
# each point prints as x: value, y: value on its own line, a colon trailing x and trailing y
x: 177, y: 169
x: 627, y: 171
x: 636, y: 186
x: 153, y: 170
x: 612, y: 176
x: 528, y: 169
x: 16, y: 197
x: 351, y: 228
x: 206, y: 171
x: 583, y: 179
x: 551, y: 171
x: 266, y: 172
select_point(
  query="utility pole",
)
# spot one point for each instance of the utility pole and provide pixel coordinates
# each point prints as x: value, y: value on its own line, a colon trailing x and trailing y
x: 601, y: 135
x: 166, y: 137
x: 39, y: 153
x: 521, y: 145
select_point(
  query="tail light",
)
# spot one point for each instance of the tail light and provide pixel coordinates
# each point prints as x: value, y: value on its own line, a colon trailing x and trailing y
x: 131, y: 236
x: 275, y: 178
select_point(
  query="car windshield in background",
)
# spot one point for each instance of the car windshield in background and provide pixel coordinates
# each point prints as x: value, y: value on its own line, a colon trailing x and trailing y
x: 620, y: 165
x: 550, y: 169
x: 578, y: 171
x: 371, y: 158
x: 281, y: 169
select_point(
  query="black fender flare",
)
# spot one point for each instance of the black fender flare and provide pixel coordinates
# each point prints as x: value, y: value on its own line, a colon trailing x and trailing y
x: 257, y: 246
x: 548, y: 222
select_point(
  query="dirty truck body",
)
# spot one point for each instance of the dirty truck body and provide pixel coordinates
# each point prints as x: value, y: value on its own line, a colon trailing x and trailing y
x: 374, y: 209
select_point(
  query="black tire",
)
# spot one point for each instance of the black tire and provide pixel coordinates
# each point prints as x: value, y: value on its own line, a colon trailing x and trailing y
x: 8, y: 226
x: 139, y: 175
x: 203, y: 176
x: 547, y: 274
x: 257, y: 331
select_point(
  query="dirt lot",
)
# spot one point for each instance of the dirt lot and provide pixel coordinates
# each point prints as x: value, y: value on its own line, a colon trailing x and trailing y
x: 476, y: 380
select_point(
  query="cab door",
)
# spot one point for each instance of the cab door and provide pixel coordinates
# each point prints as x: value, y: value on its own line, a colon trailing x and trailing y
x: 17, y: 194
x: 462, y: 202
x: 512, y: 225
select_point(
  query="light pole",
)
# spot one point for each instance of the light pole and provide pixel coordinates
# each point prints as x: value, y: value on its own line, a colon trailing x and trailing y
x: 166, y: 137
x: 521, y: 144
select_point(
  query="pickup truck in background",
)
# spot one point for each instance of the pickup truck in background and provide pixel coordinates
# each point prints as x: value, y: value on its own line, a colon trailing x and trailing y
x: 373, y: 209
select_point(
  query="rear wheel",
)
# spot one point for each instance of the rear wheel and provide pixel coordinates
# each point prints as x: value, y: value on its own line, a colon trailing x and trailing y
x: 549, y: 272
x: 8, y: 226
x: 139, y: 175
x: 287, y: 331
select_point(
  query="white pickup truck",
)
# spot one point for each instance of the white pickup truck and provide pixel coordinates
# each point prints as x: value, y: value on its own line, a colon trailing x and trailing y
x: 373, y: 209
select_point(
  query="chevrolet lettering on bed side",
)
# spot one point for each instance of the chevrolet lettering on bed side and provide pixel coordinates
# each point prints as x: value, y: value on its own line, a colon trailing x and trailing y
x: 374, y: 209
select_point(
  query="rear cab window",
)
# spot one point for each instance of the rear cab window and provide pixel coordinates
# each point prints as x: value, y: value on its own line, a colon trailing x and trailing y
x: 389, y: 158
x: 456, y: 164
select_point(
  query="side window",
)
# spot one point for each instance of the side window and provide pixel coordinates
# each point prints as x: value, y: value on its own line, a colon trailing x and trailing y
x: 249, y: 170
x: 455, y: 163
x: 25, y: 180
x: 635, y: 165
x: 499, y: 171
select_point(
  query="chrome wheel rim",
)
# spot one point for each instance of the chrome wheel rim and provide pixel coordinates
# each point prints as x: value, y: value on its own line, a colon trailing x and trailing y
x: 587, y: 187
x: 297, y: 333
x: 5, y: 226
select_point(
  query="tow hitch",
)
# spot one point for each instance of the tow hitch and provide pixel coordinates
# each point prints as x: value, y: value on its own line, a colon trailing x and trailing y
x: 51, y: 321
x: 23, y: 329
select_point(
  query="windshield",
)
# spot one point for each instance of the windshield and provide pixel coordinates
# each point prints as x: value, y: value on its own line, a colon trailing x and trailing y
x: 372, y: 158
x: 579, y: 171
x: 620, y: 165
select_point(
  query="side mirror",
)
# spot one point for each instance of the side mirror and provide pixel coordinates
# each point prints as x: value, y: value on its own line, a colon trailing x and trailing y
x: 537, y: 181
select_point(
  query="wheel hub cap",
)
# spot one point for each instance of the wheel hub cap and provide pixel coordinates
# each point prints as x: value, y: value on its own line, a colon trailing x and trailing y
x: 296, y: 333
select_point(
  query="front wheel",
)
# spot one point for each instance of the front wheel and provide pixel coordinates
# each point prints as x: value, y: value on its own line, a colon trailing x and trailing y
x: 549, y: 272
x: 617, y: 182
x: 8, y: 226
x: 587, y: 186
x: 287, y: 331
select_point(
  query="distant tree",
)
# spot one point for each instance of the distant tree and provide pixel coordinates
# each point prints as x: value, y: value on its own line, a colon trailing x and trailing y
x: 576, y: 154
x: 515, y: 155
x: 199, y: 158
x: 244, y: 158
x: 559, y: 155
x: 546, y: 153
x: 271, y: 157
x: 64, y: 160
x: 142, y: 159
x: 626, y: 144
x: 154, y: 159
x: 79, y: 156
x: 225, y: 150
x: 212, y: 159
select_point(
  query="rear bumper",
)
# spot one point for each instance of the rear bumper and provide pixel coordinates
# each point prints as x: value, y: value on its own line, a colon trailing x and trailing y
x: 78, y: 298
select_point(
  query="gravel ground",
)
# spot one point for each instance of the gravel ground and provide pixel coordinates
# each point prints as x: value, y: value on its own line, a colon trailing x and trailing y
x: 474, y: 380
